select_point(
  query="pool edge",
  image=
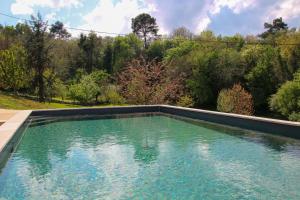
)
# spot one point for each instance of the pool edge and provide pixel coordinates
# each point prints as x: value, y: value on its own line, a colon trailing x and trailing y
x: 8, y: 131
x: 252, y: 123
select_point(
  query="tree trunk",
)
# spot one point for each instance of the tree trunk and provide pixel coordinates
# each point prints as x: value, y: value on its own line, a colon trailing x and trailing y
x: 41, y: 87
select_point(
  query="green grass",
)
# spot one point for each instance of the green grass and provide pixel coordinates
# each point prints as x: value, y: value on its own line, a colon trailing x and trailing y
x: 8, y: 101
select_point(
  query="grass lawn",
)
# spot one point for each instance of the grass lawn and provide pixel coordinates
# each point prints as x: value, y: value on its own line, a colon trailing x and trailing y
x: 20, y: 103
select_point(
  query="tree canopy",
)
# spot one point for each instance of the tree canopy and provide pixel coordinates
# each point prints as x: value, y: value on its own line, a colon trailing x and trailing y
x: 145, y: 27
x: 242, y: 74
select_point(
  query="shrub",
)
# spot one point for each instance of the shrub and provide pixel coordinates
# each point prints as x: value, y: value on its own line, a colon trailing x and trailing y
x: 85, y: 91
x: 145, y: 82
x: 287, y: 99
x: 110, y: 95
x: 235, y: 100
x: 186, y: 101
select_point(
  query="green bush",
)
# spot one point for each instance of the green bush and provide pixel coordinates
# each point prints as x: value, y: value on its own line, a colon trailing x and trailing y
x: 110, y: 95
x: 186, y: 101
x: 287, y: 99
x: 235, y: 100
x: 85, y: 92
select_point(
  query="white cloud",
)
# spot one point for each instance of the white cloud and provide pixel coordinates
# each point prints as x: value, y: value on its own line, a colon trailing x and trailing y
x: 214, y: 8
x: 115, y: 18
x: 195, y: 14
x: 18, y: 8
x: 287, y: 9
x: 236, y: 5
x: 50, y: 16
x: 26, y: 6
x: 203, y: 24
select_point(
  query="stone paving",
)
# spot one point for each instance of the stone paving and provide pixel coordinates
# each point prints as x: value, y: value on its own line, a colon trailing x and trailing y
x: 7, y: 114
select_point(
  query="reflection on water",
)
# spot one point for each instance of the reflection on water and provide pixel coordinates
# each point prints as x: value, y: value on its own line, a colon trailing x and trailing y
x: 149, y: 157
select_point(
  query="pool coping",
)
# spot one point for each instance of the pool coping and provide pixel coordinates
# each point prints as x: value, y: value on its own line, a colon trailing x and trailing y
x: 274, y: 126
x: 9, y: 129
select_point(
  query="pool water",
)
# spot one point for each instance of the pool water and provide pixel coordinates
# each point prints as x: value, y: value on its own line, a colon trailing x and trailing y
x: 149, y: 157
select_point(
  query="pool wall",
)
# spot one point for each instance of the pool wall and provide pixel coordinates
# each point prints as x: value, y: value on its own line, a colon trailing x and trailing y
x: 266, y: 125
x: 10, y: 131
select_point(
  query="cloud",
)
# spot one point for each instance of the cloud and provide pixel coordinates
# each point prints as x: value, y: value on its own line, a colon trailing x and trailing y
x: 114, y: 17
x: 203, y: 24
x: 50, y: 16
x: 23, y: 7
x: 235, y: 5
x: 196, y: 14
x: 222, y: 16
x: 287, y: 9
x: 18, y: 9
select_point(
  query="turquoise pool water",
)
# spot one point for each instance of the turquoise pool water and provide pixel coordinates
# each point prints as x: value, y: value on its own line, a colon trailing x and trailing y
x: 149, y: 157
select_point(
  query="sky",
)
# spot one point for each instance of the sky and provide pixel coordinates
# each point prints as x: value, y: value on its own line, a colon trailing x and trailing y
x: 224, y: 17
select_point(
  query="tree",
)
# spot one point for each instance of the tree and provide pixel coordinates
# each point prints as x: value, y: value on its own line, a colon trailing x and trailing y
x: 290, y: 53
x: 58, y: 30
x: 286, y: 101
x: 182, y: 32
x: 90, y: 51
x: 277, y: 26
x: 39, y: 44
x: 13, y: 72
x: 108, y: 59
x: 265, y: 75
x: 235, y: 100
x: 145, y: 27
x: 145, y: 82
x: 38, y: 52
x: 227, y: 70
x: 100, y: 77
x: 156, y: 50
x: 125, y: 49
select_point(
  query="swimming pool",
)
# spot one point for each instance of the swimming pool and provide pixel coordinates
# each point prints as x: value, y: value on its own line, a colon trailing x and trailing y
x: 154, y: 156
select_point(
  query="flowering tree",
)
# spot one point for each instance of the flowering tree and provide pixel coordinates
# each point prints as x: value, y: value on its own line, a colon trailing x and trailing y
x: 143, y: 82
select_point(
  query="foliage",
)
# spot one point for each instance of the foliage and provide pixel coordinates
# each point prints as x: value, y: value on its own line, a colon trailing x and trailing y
x: 265, y: 75
x: 108, y: 59
x: 89, y: 53
x: 277, y: 26
x: 111, y: 95
x: 235, y: 100
x: 38, y: 48
x: 287, y: 99
x: 85, y: 91
x: 125, y: 49
x: 13, y: 68
x: 58, y: 30
x: 38, y: 53
x: 145, y: 27
x: 100, y: 78
x: 60, y: 89
x: 186, y: 101
x: 182, y: 32
x: 156, y: 50
x: 89, y: 87
x: 181, y: 68
x: 145, y: 82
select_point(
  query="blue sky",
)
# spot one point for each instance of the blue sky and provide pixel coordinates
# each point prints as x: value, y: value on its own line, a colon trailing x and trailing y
x: 225, y: 17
